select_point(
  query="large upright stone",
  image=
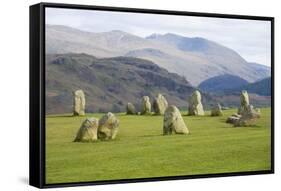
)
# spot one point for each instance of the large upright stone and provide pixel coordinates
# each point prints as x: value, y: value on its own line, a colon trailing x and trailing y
x: 145, y: 105
x: 195, y: 106
x: 244, y: 102
x: 108, y: 127
x: 88, y: 131
x: 160, y: 104
x: 173, y: 122
x: 79, y: 102
x: 131, y: 110
x: 216, y: 111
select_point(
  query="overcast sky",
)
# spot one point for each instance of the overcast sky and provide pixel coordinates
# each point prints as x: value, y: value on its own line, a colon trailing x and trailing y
x: 250, y: 38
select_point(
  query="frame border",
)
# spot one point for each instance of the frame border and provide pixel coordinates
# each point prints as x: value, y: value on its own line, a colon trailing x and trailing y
x: 37, y: 141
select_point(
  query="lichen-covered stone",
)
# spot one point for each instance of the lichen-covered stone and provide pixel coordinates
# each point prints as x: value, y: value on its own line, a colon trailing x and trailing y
x: 195, y: 106
x: 108, y: 127
x: 249, y: 117
x: 145, y: 105
x: 131, y: 110
x: 244, y: 102
x: 160, y: 104
x: 216, y: 111
x: 79, y: 102
x: 173, y: 122
x: 88, y: 130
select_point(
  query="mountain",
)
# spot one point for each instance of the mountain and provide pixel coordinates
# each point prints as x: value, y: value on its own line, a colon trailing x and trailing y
x: 109, y: 83
x: 222, y: 83
x: 197, y: 59
x: 262, y: 87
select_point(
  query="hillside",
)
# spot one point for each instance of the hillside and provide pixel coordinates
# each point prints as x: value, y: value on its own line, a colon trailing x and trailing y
x: 222, y: 83
x: 262, y: 87
x: 109, y: 83
x: 197, y: 59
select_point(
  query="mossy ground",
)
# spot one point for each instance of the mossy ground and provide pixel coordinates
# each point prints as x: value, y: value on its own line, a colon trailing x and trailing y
x: 140, y: 150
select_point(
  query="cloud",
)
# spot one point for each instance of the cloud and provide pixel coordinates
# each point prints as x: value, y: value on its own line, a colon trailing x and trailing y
x: 250, y: 38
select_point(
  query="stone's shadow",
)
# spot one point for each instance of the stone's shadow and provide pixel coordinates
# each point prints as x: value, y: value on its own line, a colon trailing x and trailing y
x: 152, y: 135
x: 24, y: 180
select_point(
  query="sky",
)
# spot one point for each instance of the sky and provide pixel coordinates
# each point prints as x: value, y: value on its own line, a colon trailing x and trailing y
x: 250, y: 38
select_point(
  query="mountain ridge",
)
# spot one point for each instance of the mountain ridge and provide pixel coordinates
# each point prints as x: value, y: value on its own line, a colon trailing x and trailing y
x: 195, y: 58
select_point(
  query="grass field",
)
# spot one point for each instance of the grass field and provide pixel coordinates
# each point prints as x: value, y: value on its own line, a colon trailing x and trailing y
x: 140, y: 150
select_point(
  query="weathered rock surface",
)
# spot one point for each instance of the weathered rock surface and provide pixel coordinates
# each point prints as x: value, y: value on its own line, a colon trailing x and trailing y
x: 249, y: 117
x: 217, y: 110
x: 195, y: 106
x: 244, y: 102
x: 108, y: 127
x: 173, y: 122
x: 233, y: 119
x: 88, y: 131
x: 145, y: 105
x: 131, y: 110
x: 160, y: 104
x: 79, y: 102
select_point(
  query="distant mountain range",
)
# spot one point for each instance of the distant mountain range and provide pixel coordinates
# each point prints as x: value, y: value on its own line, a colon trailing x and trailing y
x: 262, y: 87
x: 222, y: 83
x: 196, y: 59
x: 110, y: 83
x: 230, y: 84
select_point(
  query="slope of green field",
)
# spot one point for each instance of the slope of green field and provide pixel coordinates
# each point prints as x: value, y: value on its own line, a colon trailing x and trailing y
x: 141, y: 150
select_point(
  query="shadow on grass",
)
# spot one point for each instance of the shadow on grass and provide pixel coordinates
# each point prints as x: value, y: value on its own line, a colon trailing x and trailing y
x: 159, y: 135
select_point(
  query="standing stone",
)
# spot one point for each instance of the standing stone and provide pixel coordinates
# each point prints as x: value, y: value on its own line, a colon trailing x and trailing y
x: 88, y: 131
x: 145, y: 105
x: 79, y: 102
x: 160, y: 104
x: 216, y: 111
x: 195, y: 106
x: 244, y: 102
x: 131, y: 110
x: 108, y: 127
x: 173, y: 122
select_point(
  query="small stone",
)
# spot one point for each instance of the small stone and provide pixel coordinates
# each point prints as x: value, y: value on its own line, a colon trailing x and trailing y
x: 216, y: 111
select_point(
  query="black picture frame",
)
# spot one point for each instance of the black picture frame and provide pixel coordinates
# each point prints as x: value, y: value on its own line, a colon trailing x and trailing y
x: 37, y: 93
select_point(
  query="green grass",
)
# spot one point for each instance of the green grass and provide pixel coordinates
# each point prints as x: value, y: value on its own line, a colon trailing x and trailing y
x: 140, y: 150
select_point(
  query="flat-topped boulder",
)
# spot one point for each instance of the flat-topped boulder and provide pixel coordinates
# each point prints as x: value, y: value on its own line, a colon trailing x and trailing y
x: 173, y: 122
x: 160, y: 104
x: 88, y: 130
